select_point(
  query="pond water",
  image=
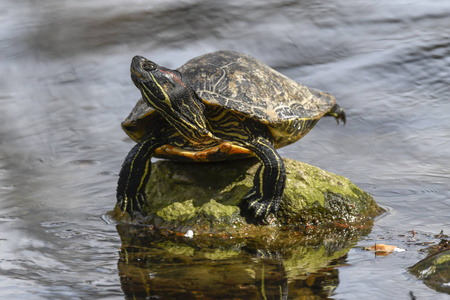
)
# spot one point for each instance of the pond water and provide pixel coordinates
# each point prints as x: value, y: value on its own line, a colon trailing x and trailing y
x: 65, y: 88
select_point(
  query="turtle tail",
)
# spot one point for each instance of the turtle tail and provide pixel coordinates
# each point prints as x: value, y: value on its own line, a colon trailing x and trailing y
x: 337, y: 112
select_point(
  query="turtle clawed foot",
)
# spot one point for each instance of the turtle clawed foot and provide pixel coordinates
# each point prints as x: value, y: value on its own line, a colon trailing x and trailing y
x: 337, y: 112
x: 256, y: 209
x: 131, y: 204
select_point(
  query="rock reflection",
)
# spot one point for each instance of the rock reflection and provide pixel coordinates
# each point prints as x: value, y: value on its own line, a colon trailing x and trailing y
x: 294, y: 264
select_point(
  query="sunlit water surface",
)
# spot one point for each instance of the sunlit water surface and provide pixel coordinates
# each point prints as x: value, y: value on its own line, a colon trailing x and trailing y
x: 65, y: 88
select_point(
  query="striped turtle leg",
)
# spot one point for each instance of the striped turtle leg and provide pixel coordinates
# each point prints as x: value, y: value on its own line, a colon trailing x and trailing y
x: 269, y: 182
x: 134, y: 175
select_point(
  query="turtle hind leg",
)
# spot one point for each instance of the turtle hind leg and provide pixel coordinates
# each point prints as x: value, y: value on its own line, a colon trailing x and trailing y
x: 337, y: 112
x: 133, y: 177
x: 268, y: 186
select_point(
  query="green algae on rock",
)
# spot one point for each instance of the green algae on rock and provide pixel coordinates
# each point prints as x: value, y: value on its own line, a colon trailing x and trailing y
x: 188, y: 194
x: 434, y: 271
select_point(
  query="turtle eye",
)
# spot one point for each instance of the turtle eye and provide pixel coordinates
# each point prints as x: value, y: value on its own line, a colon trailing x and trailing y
x: 149, y: 66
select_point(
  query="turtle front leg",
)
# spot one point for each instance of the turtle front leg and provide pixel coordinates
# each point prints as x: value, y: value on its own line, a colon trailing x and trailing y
x: 134, y: 175
x: 268, y: 185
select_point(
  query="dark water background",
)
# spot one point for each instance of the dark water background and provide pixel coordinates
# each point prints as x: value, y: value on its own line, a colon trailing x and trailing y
x: 65, y: 88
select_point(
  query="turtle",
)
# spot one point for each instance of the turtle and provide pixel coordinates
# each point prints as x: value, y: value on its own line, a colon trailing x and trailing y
x: 219, y: 106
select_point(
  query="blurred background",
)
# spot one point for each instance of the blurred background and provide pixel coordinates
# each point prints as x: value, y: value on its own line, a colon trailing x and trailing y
x: 65, y: 87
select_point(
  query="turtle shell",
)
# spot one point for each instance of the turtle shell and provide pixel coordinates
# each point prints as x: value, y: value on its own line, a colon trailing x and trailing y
x: 240, y: 83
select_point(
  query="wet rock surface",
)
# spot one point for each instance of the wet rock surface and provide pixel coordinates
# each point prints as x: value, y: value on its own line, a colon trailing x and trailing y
x: 206, y: 196
x: 434, y: 270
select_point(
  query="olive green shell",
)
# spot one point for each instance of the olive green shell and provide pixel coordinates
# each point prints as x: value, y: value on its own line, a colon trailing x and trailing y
x: 241, y: 83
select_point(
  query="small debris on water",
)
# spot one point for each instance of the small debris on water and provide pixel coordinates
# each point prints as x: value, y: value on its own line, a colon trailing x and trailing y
x: 189, y: 234
x: 440, y: 235
x: 382, y: 248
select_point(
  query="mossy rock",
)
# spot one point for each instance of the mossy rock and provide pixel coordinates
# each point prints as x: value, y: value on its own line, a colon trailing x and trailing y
x: 296, y: 253
x: 207, y: 196
x: 434, y: 271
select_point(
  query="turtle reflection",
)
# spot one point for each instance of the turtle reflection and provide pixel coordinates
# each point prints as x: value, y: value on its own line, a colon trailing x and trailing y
x: 164, y: 265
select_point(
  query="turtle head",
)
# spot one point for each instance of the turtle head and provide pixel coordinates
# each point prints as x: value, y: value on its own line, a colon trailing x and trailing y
x: 157, y: 84
x: 164, y: 90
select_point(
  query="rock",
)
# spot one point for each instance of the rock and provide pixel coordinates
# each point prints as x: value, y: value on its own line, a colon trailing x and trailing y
x: 206, y: 196
x: 195, y: 227
x: 434, y: 271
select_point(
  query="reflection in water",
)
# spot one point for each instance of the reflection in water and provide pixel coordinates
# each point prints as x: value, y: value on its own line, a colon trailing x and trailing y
x: 294, y: 265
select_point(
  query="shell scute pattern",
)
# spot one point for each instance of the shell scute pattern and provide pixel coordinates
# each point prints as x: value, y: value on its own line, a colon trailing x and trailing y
x: 241, y: 83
